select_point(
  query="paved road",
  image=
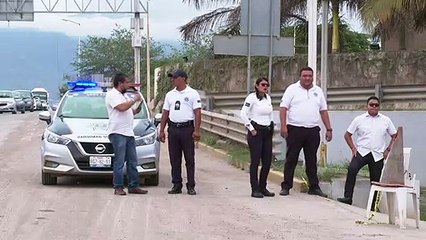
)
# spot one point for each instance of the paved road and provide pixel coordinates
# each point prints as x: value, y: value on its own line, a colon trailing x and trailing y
x: 80, y: 208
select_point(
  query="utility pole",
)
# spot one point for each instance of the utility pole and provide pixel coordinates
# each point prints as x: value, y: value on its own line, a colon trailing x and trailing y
x: 79, y: 38
x: 148, y: 57
x: 312, y: 36
x: 137, y: 43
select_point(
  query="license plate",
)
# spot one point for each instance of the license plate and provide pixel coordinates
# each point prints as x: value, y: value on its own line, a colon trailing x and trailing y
x: 99, y: 161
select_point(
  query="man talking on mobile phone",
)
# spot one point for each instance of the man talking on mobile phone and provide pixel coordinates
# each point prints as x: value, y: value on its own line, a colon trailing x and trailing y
x: 121, y: 135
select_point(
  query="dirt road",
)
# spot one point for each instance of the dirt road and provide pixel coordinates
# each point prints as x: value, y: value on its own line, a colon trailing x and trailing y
x: 81, y: 208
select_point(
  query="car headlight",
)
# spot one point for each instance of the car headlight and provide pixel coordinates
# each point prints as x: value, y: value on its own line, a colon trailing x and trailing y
x: 146, y: 140
x: 53, y: 138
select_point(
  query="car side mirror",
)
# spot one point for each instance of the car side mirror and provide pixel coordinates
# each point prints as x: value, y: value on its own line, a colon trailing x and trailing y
x: 45, y: 116
x: 157, y: 119
x: 54, y: 107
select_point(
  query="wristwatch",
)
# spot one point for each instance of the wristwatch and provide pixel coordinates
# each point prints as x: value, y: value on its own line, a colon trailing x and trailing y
x: 329, y: 129
x: 388, y: 149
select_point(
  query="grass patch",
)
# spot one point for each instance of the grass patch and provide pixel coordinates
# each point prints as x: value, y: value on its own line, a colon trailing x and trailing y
x: 423, y: 204
x: 240, y: 154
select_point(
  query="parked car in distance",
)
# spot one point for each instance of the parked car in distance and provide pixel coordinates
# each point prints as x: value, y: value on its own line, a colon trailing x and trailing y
x: 28, y: 99
x: 7, y: 102
x: 20, y: 102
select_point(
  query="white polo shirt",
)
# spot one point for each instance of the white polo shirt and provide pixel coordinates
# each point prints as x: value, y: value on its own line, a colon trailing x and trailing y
x: 371, y: 133
x: 181, y: 104
x: 304, y: 105
x: 257, y: 110
x: 119, y: 122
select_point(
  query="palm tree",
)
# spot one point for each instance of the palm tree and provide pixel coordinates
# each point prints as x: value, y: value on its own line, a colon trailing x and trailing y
x: 385, y: 15
x: 227, y: 19
x: 336, y: 5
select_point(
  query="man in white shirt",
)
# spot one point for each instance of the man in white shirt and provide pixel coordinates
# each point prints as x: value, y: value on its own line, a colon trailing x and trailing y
x: 121, y: 136
x: 182, y: 113
x: 371, y: 130
x: 301, y: 107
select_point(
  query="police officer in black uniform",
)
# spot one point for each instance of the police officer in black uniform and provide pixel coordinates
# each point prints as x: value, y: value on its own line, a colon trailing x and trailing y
x: 182, y: 113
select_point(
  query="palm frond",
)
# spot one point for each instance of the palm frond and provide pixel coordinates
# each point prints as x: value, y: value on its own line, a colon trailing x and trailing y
x: 221, y: 18
x: 383, y: 16
x: 199, y: 4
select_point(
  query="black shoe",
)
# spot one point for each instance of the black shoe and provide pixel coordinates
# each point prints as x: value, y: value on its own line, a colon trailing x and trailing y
x: 256, y: 194
x: 345, y: 200
x: 267, y: 193
x: 317, y: 192
x: 175, y: 190
x: 191, y: 191
x: 284, y: 192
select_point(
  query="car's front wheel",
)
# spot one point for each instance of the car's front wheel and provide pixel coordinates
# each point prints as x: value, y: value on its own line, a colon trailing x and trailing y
x: 153, y: 180
x: 48, y: 179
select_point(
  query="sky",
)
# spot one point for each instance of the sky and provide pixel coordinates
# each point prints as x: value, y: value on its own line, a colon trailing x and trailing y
x: 165, y: 17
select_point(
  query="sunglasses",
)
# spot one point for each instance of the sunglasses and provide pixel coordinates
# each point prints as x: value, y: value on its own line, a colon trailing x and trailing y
x: 374, y: 105
x: 264, y: 84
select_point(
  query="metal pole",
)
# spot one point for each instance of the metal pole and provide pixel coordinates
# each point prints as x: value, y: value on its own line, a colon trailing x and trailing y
x: 324, y: 59
x: 249, y: 49
x: 137, y: 49
x: 324, y: 47
x: 270, y: 45
x: 148, y: 57
x: 294, y: 39
x: 312, y: 36
x: 79, y: 48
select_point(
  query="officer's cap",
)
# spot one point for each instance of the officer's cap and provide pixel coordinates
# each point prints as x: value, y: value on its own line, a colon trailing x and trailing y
x: 178, y: 73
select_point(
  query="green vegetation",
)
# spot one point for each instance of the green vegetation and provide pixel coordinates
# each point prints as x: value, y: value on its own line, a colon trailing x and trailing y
x: 240, y: 157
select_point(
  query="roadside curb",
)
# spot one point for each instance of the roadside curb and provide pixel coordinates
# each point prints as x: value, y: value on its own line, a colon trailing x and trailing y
x: 274, y: 176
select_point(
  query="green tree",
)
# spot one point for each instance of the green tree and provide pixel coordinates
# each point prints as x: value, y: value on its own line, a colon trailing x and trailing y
x: 63, y: 87
x: 349, y: 41
x: 107, y: 55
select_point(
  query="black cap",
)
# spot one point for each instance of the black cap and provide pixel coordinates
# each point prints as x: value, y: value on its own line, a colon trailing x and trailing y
x: 178, y: 73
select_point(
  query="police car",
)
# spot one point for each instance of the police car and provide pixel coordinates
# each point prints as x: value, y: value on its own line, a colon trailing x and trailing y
x: 76, y: 142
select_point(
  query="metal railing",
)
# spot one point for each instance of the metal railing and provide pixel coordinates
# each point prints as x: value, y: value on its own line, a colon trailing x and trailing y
x: 233, y: 128
x: 336, y: 97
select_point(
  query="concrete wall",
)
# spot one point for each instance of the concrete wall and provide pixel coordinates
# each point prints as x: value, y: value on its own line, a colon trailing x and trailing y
x: 345, y: 70
x: 413, y: 41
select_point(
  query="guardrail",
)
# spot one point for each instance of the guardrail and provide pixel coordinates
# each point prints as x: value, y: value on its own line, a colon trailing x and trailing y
x: 335, y: 96
x: 233, y: 128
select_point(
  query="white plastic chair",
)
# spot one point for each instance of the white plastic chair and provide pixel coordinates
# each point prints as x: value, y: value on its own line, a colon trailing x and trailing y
x: 411, y: 186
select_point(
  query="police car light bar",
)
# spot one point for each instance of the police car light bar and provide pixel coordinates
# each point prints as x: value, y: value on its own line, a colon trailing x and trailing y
x: 81, y: 84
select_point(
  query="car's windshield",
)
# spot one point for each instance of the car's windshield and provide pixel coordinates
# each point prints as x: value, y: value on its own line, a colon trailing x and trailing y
x: 25, y: 94
x: 88, y: 105
x: 41, y: 95
x: 17, y: 95
x: 6, y: 94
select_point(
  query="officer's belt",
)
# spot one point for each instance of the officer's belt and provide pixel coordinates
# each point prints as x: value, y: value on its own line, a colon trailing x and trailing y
x: 260, y: 127
x: 181, y: 124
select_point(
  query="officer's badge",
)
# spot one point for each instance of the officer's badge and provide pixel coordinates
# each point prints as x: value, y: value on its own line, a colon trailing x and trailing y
x: 315, y: 94
x: 186, y: 99
x: 177, y: 105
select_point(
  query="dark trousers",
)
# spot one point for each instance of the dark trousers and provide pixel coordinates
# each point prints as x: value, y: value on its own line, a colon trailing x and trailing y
x: 298, y: 138
x: 180, y: 140
x: 260, y: 147
x: 357, y: 162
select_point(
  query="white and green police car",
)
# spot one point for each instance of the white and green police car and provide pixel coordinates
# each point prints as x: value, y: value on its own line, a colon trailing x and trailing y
x: 75, y: 142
